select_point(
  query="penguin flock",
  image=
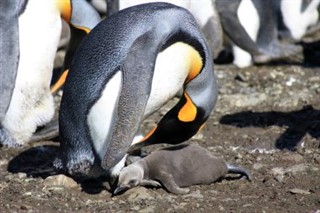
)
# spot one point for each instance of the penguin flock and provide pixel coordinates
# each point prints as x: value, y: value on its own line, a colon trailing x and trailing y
x: 120, y: 69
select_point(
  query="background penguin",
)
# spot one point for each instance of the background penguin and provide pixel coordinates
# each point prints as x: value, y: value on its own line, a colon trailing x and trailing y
x: 297, y: 16
x: 255, y: 24
x: 9, y: 51
x: 31, y: 103
x: 204, y: 12
x: 176, y: 167
x: 126, y: 68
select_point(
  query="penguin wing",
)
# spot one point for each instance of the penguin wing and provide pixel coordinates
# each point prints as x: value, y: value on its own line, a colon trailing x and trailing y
x: 9, y: 50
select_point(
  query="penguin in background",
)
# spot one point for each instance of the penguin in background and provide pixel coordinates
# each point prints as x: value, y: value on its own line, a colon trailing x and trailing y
x: 256, y: 37
x: 204, y: 12
x: 35, y: 28
x: 297, y: 17
x: 129, y: 66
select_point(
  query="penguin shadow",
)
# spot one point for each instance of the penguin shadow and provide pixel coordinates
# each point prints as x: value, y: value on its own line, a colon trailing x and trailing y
x: 37, y: 162
x: 299, y: 123
x: 311, y: 53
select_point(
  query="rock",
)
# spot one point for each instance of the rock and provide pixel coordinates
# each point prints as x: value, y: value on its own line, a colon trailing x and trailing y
x: 195, y: 194
x: 296, y: 169
x: 149, y: 209
x: 278, y: 173
x: 292, y: 157
x: 3, y: 162
x: 60, y: 180
x: 299, y: 191
x: 138, y: 193
x: 257, y: 166
x: 241, y: 100
x: 22, y: 175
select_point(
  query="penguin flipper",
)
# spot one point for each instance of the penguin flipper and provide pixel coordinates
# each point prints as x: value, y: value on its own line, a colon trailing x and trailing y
x: 230, y: 23
x: 9, y: 51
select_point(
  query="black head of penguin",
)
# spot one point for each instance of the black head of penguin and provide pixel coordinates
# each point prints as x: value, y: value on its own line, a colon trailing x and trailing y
x: 112, y: 78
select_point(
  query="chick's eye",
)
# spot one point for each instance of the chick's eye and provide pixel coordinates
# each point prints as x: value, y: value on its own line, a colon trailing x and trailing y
x: 132, y: 182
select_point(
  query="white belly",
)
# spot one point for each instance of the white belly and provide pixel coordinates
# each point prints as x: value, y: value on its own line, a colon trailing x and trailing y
x: 249, y: 19
x: 296, y: 21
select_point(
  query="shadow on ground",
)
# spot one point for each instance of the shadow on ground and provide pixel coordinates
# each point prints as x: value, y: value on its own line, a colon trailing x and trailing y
x: 298, y: 123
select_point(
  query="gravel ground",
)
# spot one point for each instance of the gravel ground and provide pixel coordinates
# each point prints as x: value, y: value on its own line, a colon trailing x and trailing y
x: 267, y: 120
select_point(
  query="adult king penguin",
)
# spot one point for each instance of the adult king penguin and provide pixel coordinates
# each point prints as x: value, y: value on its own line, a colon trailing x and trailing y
x: 126, y: 68
x: 31, y: 30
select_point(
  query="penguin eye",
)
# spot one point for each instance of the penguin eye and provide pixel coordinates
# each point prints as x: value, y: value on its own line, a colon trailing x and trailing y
x: 133, y: 182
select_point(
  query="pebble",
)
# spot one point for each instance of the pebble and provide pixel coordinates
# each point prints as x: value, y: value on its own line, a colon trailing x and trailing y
x: 60, y: 180
x: 257, y: 166
x: 22, y: 175
x: 292, y: 157
x: 3, y: 162
x: 296, y: 169
x: 138, y: 193
x: 195, y: 194
x: 299, y: 191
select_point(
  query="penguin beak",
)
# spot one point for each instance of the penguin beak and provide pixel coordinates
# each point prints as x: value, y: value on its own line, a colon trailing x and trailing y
x: 121, y: 189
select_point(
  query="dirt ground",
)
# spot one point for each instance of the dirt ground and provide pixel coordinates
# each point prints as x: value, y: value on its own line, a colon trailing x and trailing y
x: 267, y: 120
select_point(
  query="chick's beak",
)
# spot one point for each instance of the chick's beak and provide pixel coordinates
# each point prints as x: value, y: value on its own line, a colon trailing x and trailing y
x: 121, y: 189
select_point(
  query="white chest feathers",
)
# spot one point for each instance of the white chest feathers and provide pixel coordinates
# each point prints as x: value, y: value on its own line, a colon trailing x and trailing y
x: 249, y: 19
x: 297, y: 21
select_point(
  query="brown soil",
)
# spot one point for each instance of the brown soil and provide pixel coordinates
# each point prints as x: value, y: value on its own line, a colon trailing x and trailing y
x: 267, y: 120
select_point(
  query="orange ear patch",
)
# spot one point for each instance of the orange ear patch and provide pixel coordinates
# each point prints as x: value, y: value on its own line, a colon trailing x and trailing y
x: 60, y: 82
x: 65, y: 9
x: 188, y: 112
x: 195, y: 64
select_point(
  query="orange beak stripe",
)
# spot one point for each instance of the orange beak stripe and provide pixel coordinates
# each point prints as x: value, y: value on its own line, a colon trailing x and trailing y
x: 188, y: 112
x: 60, y: 82
x: 148, y: 135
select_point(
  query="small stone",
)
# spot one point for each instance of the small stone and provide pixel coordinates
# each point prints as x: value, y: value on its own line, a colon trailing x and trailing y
x: 138, y: 193
x: 149, y: 209
x: 296, y: 169
x: 278, y: 173
x: 299, y: 191
x: 257, y: 166
x: 195, y: 194
x: 22, y: 175
x: 292, y: 157
x: 60, y: 180
x: 3, y: 162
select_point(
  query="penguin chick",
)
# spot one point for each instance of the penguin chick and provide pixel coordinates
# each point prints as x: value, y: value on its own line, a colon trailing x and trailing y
x: 176, y: 167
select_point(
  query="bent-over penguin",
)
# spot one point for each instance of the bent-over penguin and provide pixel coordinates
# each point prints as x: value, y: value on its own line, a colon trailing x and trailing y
x: 204, y: 12
x: 35, y: 27
x: 127, y: 67
x: 176, y: 167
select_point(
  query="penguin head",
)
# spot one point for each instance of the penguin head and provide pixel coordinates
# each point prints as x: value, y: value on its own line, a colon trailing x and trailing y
x: 129, y: 177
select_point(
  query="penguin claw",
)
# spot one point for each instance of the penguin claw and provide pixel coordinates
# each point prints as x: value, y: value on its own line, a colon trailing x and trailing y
x: 80, y: 168
x: 6, y: 140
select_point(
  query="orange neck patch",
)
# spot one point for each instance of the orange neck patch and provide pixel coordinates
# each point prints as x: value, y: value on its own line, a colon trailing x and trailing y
x: 188, y: 112
x: 65, y: 9
x: 195, y: 64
